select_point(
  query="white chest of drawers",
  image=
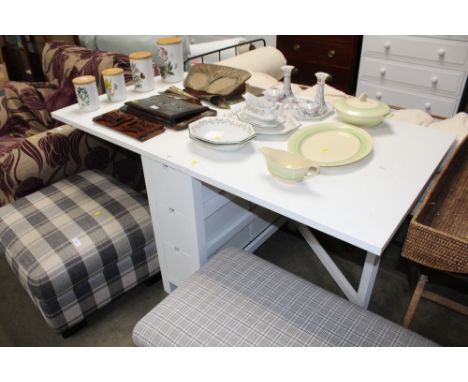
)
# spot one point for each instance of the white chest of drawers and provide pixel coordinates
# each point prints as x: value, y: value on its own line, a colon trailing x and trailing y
x: 417, y: 72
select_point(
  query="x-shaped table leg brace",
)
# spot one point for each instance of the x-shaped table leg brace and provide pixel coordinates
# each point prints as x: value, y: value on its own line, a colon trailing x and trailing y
x: 360, y: 297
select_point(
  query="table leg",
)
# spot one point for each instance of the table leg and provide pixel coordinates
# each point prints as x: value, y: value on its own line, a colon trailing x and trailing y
x: 176, y: 207
x: 366, y: 285
x: 360, y: 297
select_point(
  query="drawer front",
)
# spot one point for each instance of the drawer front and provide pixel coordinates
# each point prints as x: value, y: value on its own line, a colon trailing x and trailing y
x: 312, y: 51
x: 436, y: 52
x: 427, y: 78
x: 342, y: 79
x: 171, y: 181
x: 180, y: 265
x: 443, y: 107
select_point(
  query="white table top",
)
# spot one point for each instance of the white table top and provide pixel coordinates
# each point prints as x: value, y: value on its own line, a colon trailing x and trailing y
x: 362, y: 203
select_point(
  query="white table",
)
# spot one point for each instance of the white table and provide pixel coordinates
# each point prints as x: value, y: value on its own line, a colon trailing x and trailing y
x: 363, y: 203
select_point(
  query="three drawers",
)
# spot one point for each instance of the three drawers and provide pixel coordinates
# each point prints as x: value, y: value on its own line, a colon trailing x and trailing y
x: 211, y: 220
x: 414, y: 72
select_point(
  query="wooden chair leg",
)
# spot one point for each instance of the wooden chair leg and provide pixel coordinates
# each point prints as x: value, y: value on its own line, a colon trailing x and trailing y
x: 414, y: 301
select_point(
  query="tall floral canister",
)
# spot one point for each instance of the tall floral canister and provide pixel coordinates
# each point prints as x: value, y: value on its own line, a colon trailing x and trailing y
x: 86, y: 92
x: 114, y: 83
x: 171, y: 59
x: 142, y: 70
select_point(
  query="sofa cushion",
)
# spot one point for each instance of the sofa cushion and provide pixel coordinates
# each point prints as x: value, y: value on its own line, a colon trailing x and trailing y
x: 238, y: 299
x: 62, y: 62
x: 66, y: 232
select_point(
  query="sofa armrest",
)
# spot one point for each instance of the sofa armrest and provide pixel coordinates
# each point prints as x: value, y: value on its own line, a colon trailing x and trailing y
x: 28, y: 164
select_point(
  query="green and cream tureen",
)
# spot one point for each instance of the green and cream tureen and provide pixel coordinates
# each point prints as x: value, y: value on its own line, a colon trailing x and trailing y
x: 361, y: 111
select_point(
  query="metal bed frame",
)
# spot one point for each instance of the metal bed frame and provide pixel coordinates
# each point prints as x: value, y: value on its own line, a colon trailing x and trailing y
x: 202, y: 56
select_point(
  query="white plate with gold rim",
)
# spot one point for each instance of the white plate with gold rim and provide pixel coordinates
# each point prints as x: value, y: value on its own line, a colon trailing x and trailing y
x: 221, y: 131
x: 331, y: 143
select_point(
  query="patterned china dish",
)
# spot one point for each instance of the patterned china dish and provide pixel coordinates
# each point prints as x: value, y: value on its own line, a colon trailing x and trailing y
x: 224, y: 134
x: 287, y: 166
x: 261, y: 109
x: 306, y: 109
x: 361, y: 111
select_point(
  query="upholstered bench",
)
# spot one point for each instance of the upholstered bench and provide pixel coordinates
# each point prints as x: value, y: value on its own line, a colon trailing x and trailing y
x: 78, y: 244
x: 238, y: 299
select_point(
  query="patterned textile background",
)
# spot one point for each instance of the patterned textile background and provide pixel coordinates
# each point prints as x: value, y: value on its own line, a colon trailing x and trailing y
x: 35, y: 150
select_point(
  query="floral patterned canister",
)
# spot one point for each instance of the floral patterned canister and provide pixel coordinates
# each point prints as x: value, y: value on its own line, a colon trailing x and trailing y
x: 86, y: 92
x: 171, y: 60
x: 114, y: 83
x: 142, y: 71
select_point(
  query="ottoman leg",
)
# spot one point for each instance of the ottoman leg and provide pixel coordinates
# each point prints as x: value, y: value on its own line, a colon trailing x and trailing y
x: 70, y: 331
x: 153, y: 279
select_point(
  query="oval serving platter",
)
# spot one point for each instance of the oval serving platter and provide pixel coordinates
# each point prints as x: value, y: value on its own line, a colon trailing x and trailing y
x: 331, y: 143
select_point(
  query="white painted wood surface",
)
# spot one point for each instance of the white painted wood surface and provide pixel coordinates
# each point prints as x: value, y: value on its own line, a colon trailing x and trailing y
x: 362, y: 203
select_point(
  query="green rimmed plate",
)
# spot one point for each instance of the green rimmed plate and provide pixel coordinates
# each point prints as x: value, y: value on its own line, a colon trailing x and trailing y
x: 331, y: 143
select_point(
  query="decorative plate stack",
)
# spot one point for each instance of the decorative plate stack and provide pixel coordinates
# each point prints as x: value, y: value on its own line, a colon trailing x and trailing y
x: 267, y: 118
x: 223, y: 134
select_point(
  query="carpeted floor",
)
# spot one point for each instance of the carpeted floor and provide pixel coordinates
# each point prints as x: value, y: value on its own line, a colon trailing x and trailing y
x: 22, y: 325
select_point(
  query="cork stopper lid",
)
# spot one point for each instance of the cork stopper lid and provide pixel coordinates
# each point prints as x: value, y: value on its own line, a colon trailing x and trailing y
x: 140, y: 55
x: 168, y: 40
x: 84, y: 80
x: 112, y: 72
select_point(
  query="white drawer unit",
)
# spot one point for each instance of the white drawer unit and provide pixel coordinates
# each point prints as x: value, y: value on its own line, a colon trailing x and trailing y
x: 221, y: 220
x: 427, y: 73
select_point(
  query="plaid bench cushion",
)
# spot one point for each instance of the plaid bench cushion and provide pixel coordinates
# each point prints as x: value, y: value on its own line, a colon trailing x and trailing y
x: 238, y: 299
x: 76, y: 237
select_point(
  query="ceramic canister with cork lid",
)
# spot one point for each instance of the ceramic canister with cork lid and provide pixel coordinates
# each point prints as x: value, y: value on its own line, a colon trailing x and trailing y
x: 142, y: 70
x: 114, y: 83
x: 170, y: 59
x: 86, y: 92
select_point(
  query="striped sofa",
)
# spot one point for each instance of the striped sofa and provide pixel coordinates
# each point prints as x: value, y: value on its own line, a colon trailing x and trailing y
x: 78, y: 244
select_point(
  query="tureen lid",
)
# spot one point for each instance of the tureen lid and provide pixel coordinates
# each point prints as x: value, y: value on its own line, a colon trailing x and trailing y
x: 362, y: 106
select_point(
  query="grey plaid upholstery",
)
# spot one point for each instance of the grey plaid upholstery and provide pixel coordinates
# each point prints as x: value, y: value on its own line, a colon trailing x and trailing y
x: 78, y: 244
x: 238, y: 299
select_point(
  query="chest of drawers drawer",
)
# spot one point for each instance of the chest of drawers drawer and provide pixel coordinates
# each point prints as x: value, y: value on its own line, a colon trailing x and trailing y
x: 336, y: 55
x: 438, y: 106
x: 422, y: 72
x: 432, y: 51
x: 430, y: 79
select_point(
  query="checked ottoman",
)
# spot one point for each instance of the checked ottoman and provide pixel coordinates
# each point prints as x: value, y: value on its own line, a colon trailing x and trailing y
x: 78, y: 244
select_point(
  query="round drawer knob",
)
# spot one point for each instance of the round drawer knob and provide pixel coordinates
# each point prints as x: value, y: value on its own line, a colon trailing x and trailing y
x: 387, y: 45
x: 434, y: 80
x: 297, y: 47
x: 378, y: 95
x: 427, y: 106
x: 441, y: 52
x: 331, y: 53
x: 295, y: 71
x: 382, y: 71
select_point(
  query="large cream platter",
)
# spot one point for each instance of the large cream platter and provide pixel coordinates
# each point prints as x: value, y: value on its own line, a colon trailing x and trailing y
x: 331, y: 143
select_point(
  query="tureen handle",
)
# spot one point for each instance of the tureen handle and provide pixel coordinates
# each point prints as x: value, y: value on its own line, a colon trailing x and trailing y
x: 363, y: 97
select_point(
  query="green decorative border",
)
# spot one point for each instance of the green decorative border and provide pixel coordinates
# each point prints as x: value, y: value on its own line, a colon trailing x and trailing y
x: 366, y: 141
